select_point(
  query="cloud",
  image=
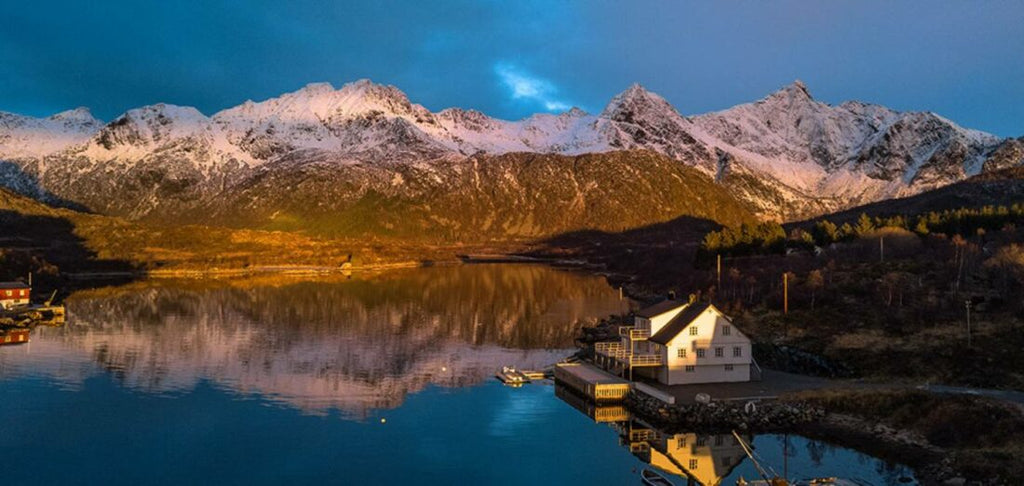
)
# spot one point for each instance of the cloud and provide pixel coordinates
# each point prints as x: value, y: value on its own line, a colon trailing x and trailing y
x: 527, y: 87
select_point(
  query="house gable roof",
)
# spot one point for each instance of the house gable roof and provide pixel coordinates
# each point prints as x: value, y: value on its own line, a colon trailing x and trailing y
x: 679, y: 322
x: 660, y: 308
x: 13, y: 285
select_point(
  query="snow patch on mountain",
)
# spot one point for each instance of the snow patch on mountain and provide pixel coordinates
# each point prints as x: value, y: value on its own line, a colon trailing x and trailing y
x: 27, y: 137
x: 794, y: 154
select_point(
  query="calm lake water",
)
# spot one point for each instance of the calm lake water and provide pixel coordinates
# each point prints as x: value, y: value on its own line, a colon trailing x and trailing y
x: 365, y: 380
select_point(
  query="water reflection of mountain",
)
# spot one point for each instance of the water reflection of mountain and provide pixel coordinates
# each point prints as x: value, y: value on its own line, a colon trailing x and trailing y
x: 352, y: 344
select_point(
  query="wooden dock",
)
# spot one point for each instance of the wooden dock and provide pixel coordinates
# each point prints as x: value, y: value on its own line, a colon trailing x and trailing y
x: 592, y: 382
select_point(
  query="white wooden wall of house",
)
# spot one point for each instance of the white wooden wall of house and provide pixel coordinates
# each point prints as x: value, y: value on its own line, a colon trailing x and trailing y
x: 655, y: 324
x: 710, y: 368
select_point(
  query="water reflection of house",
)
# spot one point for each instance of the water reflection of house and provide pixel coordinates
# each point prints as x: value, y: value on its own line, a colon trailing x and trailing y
x: 703, y: 459
x: 14, y: 336
x: 677, y: 342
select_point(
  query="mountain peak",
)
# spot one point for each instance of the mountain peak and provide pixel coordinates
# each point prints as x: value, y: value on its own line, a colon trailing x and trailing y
x: 80, y: 115
x: 575, y: 112
x: 317, y: 88
x: 795, y: 91
x: 634, y: 102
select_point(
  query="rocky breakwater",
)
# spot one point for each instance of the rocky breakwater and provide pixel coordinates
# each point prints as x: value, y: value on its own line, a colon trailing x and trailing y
x: 716, y: 416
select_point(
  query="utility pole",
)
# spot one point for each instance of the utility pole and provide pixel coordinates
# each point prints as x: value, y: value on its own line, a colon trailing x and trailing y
x: 881, y: 249
x: 719, y: 272
x: 967, y: 303
x: 785, y: 293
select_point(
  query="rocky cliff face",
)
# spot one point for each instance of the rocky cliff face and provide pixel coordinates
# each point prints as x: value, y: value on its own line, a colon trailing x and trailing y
x: 786, y: 156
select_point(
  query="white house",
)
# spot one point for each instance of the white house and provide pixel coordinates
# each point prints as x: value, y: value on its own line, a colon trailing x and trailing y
x: 677, y: 343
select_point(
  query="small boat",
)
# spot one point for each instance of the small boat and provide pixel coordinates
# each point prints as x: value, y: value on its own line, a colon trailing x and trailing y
x: 651, y: 477
x: 511, y: 376
x: 14, y: 336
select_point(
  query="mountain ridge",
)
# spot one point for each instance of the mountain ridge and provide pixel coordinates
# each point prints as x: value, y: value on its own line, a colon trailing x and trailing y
x: 787, y: 156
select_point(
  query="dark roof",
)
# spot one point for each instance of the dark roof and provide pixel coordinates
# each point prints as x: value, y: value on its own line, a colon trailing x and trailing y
x: 659, y: 308
x: 13, y: 285
x: 679, y: 322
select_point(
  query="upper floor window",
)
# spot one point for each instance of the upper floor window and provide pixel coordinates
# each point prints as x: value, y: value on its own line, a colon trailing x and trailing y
x: 727, y: 330
x: 693, y: 464
x: 737, y: 351
x: 681, y: 352
x: 719, y: 352
x: 700, y: 352
x: 693, y: 330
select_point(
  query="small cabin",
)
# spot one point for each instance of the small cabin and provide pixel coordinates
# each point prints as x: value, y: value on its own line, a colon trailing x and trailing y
x: 14, y: 294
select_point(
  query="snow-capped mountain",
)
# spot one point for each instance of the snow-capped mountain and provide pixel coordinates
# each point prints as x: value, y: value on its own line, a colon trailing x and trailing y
x: 855, y: 152
x: 787, y: 155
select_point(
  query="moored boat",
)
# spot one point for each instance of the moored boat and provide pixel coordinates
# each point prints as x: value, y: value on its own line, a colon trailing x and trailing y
x: 511, y: 376
x: 651, y: 477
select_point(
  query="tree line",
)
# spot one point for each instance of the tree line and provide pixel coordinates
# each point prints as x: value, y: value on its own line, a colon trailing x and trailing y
x: 770, y: 237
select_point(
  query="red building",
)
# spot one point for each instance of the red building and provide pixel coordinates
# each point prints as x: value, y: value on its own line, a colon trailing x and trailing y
x: 14, y: 294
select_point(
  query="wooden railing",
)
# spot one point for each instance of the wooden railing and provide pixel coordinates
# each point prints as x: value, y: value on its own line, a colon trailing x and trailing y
x: 645, y: 360
x: 622, y: 353
x: 612, y: 349
x: 635, y: 334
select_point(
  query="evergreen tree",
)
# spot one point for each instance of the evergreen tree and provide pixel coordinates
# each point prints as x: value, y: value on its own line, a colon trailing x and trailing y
x: 864, y: 225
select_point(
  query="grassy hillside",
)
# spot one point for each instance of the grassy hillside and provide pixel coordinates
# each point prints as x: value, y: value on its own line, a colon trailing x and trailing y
x: 53, y: 241
x: 514, y: 197
x: 329, y: 214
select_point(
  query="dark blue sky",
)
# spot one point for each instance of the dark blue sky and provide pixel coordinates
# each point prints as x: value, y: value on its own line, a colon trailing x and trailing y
x: 961, y: 59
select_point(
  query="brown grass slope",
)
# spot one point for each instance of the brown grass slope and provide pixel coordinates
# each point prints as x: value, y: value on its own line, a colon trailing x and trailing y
x: 513, y: 197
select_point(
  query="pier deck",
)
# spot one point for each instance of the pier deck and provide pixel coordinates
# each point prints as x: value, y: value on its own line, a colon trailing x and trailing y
x: 593, y: 382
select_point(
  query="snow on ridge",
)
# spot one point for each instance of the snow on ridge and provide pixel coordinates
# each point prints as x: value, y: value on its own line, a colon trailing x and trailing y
x: 851, y: 150
x: 28, y: 137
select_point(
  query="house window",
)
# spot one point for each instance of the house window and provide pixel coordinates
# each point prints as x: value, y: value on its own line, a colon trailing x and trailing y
x: 702, y: 441
x: 10, y: 293
x: 681, y: 442
x: 719, y: 439
x: 728, y: 367
x: 693, y: 464
x: 681, y: 352
x: 727, y: 330
x: 21, y: 293
x: 719, y: 352
x: 690, y: 368
x: 700, y: 353
x: 737, y: 351
x: 693, y: 331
